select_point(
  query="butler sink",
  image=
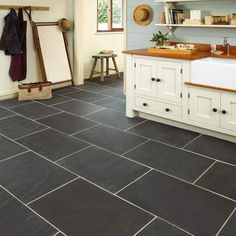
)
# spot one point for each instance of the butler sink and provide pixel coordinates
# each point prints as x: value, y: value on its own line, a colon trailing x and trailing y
x: 217, y: 72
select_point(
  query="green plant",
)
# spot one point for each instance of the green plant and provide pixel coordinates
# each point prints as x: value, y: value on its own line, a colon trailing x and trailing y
x: 160, y: 38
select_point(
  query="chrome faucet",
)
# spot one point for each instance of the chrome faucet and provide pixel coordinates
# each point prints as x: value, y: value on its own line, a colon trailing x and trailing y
x: 226, y: 44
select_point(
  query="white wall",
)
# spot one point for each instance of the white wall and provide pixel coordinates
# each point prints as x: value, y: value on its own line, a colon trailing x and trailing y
x: 92, y: 42
x: 58, y: 9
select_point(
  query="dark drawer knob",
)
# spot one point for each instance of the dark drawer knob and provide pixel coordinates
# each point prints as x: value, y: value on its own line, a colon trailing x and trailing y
x: 167, y: 109
x: 158, y: 80
x: 224, y: 112
x: 214, y: 110
x: 145, y: 104
x: 153, y: 79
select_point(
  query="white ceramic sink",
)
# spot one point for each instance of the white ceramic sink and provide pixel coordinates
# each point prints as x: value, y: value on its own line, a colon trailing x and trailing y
x: 217, y: 72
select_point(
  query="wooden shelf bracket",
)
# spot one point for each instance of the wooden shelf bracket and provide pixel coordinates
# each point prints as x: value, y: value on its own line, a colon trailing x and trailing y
x: 16, y: 7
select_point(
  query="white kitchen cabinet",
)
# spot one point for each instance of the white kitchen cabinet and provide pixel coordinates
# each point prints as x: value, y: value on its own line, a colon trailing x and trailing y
x: 214, y: 108
x: 170, y: 85
x: 204, y: 106
x: 158, y: 79
x: 228, y: 111
x: 145, y: 77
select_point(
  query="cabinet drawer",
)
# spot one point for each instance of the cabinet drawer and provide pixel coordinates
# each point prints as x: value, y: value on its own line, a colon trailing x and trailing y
x: 152, y: 107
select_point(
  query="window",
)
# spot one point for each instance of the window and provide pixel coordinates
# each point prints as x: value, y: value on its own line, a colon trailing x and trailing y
x: 110, y: 15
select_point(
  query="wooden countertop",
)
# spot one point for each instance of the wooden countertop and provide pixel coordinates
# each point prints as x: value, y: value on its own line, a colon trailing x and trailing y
x: 144, y: 52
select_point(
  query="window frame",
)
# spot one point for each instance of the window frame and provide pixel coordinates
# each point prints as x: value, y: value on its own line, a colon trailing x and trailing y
x: 110, y: 23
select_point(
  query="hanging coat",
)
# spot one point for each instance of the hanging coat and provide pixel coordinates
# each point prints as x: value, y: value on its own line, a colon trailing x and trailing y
x: 10, y: 39
x: 18, y: 67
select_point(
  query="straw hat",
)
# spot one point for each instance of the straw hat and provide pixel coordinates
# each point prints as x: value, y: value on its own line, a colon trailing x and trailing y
x: 64, y: 25
x: 143, y: 15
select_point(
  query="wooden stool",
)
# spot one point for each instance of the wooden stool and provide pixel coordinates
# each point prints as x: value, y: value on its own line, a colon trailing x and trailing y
x: 102, y: 57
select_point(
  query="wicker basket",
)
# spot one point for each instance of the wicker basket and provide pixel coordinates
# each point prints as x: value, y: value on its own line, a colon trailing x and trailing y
x: 35, y: 91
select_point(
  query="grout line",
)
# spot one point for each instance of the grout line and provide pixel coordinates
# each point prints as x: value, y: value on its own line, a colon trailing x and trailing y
x: 55, y: 189
x: 141, y: 144
x: 19, y: 105
x: 32, y: 210
x: 43, y: 117
x: 222, y: 227
x: 8, y: 158
x: 95, y: 125
x: 94, y: 112
x: 145, y: 226
x: 205, y: 171
x: 192, y: 141
x: 136, y: 125
x: 140, y: 177
x: 6, y: 117
x: 38, y: 131
x: 73, y: 154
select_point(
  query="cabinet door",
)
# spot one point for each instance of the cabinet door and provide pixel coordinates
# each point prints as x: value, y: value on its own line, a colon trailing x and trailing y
x: 145, y: 77
x: 204, y: 106
x: 170, y: 85
x: 228, y: 111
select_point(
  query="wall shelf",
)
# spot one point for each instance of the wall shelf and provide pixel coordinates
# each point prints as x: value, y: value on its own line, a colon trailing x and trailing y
x: 197, y: 26
x: 16, y: 7
x: 176, y: 1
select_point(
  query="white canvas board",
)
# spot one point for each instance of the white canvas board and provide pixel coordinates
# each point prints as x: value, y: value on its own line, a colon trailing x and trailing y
x: 54, y: 54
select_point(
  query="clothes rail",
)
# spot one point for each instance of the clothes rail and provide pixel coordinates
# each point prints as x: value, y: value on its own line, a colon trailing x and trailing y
x: 33, y: 8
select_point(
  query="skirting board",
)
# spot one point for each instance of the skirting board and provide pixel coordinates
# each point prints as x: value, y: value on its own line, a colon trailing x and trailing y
x: 8, y: 94
x: 188, y: 127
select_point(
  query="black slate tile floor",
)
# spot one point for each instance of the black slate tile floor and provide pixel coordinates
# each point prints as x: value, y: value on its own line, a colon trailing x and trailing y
x: 5, y: 113
x: 159, y: 178
x: 160, y: 227
x: 106, y: 169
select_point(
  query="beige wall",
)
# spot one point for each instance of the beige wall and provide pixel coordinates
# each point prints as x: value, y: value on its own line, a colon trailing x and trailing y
x: 92, y: 42
x: 59, y: 9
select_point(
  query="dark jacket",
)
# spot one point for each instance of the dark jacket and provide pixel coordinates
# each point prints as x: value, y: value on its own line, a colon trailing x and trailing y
x: 10, y: 41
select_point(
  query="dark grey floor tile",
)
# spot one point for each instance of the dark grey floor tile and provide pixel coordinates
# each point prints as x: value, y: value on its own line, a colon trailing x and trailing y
x: 111, y: 139
x: 29, y: 176
x: 9, y: 148
x: 118, y: 93
x: 220, y: 178
x: 51, y: 144
x: 229, y: 229
x: 55, y: 100
x: 13, y: 102
x: 160, y: 227
x: 193, y: 209
x: 118, y: 85
x: 165, y: 133
x: 60, y: 234
x: 65, y: 90
x: 97, y: 88
x: 97, y: 80
x: 35, y: 110
x: 85, y: 96
x: 112, y: 103
x: 115, y: 119
x: 18, y: 126
x: 104, y: 168
x: 78, y: 108
x: 67, y: 123
x: 5, y: 113
x: 18, y: 220
x: 80, y: 208
x: 171, y: 160
x: 215, y: 148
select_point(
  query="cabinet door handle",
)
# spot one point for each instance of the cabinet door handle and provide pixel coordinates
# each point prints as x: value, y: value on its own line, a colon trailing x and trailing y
x: 214, y: 110
x: 158, y: 80
x: 167, y: 109
x: 145, y: 104
x: 224, y: 112
x: 153, y: 79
